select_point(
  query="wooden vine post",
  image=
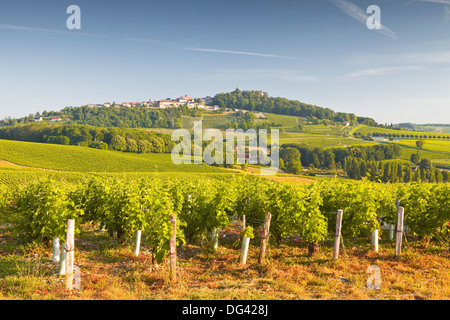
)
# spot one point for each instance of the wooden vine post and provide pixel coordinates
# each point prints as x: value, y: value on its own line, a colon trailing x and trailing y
x: 338, y: 234
x: 265, y: 238
x: 173, y: 248
x: 398, y: 243
x: 70, y: 247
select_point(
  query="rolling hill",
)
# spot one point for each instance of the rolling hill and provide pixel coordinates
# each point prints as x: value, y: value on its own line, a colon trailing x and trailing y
x: 82, y: 159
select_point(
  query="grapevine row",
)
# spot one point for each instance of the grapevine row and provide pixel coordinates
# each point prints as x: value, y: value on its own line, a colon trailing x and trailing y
x: 122, y: 207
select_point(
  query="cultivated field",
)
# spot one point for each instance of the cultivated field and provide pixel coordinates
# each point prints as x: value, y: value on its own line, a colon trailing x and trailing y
x: 304, y: 212
x: 81, y: 159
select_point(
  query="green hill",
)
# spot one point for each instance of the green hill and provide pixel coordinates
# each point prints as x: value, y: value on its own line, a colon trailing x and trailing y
x: 82, y: 159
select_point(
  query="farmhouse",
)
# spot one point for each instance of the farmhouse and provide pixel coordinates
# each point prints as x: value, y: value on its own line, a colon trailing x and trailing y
x: 379, y: 139
x: 186, y: 100
x: 167, y: 103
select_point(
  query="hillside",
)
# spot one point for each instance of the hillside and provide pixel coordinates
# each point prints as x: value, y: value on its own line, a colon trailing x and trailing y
x: 151, y: 116
x: 82, y: 159
x: 261, y: 101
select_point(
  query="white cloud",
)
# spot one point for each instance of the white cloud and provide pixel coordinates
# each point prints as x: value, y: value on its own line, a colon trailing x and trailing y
x: 32, y: 29
x: 371, y: 72
x: 446, y: 13
x: 262, y: 74
x: 143, y: 40
x: 446, y: 4
x: 239, y: 52
x: 437, y: 1
x: 360, y: 15
x: 429, y: 100
x: 425, y: 59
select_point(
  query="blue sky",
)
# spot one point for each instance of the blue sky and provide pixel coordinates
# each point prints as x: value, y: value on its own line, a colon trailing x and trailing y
x: 316, y: 51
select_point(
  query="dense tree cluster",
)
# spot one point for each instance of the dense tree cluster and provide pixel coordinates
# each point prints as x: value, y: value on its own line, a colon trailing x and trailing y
x: 394, y: 171
x: 330, y: 159
x: 260, y: 101
x: 128, y: 117
x: 120, y: 139
x: 374, y: 163
x: 243, y: 120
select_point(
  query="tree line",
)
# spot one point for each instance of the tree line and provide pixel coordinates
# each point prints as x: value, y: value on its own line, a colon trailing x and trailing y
x: 260, y: 101
x: 405, y: 134
x: 394, y: 171
x: 331, y: 159
x: 374, y: 163
x: 112, y: 138
x: 128, y: 117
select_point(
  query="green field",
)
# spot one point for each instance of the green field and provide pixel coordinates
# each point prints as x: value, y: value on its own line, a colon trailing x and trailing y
x: 322, y: 141
x: 188, y: 122
x: 288, y: 123
x: 430, y: 145
x: 365, y: 130
x: 81, y: 159
x: 333, y: 136
x: 217, y: 121
x: 434, y: 150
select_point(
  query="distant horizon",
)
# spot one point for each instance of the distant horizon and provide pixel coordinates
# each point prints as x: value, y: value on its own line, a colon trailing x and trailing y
x: 321, y: 53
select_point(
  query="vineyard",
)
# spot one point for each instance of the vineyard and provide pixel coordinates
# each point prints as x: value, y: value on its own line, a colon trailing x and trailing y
x: 83, y: 159
x: 38, y: 212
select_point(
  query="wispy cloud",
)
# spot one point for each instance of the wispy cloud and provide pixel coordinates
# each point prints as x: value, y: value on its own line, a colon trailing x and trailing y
x: 360, y: 15
x: 447, y: 2
x: 382, y: 71
x: 43, y: 30
x: 262, y: 74
x: 239, y: 52
x: 439, y: 58
x: 429, y: 100
x: 143, y: 40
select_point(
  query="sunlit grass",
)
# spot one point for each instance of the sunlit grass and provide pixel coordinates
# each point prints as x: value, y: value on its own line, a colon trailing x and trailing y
x: 110, y: 272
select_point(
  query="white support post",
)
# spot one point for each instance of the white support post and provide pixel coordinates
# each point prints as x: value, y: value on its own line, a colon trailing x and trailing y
x: 55, y: 243
x: 244, y: 250
x: 374, y: 242
x: 77, y: 277
x: 391, y: 232
x: 138, y: 243
x: 337, y: 235
x: 70, y: 247
x: 215, y: 239
x: 62, y: 261
x: 398, y: 243
x: 173, y: 248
